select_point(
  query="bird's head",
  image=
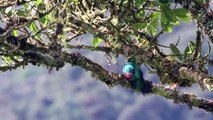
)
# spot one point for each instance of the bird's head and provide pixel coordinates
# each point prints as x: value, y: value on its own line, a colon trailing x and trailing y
x: 131, y: 59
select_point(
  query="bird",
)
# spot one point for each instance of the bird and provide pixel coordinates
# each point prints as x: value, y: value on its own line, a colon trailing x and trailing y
x: 133, y: 73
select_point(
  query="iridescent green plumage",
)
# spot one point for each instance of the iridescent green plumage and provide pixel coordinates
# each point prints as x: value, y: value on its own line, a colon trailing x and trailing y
x: 133, y: 72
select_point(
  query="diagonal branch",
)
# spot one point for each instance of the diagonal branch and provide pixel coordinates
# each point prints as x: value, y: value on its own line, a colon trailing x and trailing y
x: 57, y: 59
x: 113, y: 79
x: 175, y: 68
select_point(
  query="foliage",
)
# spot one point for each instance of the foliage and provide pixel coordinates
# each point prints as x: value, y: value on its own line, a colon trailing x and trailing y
x: 41, y: 32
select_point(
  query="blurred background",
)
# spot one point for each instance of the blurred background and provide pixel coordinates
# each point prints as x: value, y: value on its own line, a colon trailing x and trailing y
x: 36, y: 93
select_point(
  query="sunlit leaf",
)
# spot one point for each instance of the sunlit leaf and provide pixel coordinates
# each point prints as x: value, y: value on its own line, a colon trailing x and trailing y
x: 74, y: 1
x: 6, y: 59
x: 189, y: 50
x: 140, y: 25
x: 192, y: 47
x: 153, y: 26
x: 141, y: 13
x: 33, y: 27
x: 8, y: 9
x: 168, y: 18
x: 139, y: 2
x: 167, y: 27
x: 39, y: 2
x: 182, y: 14
x: 168, y: 13
x: 96, y: 41
x: 15, y: 33
x: 114, y: 21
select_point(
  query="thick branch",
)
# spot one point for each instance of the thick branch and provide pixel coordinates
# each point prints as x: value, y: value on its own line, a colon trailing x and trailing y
x: 177, y: 69
x: 124, y: 50
x: 198, y: 76
x: 54, y: 59
x: 113, y: 79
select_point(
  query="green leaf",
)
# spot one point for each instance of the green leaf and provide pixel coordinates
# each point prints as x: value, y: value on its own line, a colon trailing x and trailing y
x: 174, y: 49
x: 39, y: 2
x: 189, y: 50
x: 6, y: 59
x: 186, y: 52
x: 15, y: 33
x: 166, y: 26
x: 8, y: 9
x: 114, y: 21
x: 155, y: 16
x: 141, y: 13
x: 192, y: 47
x: 167, y: 12
x: 74, y: 1
x: 182, y: 14
x: 139, y: 2
x: 96, y: 41
x: 44, y: 20
x: 140, y: 25
x: 33, y: 27
x: 46, y: 23
x: 26, y: 6
x: 21, y: 13
x: 168, y: 18
x: 153, y: 26
x: 17, y: 57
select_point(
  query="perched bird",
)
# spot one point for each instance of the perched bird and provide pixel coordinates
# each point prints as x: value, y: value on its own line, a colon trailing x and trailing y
x: 133, y: 73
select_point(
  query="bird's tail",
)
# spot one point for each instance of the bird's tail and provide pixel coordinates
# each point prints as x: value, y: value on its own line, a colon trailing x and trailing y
x: 146, y: 87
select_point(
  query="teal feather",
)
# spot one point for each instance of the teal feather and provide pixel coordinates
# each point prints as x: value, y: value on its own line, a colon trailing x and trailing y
x: 133, y: 72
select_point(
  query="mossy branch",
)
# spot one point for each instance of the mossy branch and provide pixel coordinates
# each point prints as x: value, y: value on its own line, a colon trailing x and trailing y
x: 202, y: 78
x: 179, y: 70
x: 53, y: 59
x: 113, y: 79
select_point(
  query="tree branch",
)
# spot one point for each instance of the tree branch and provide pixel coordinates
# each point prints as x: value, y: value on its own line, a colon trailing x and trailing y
x: 57, y: 59
x: 179, y: 70
x: 113, y: 79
